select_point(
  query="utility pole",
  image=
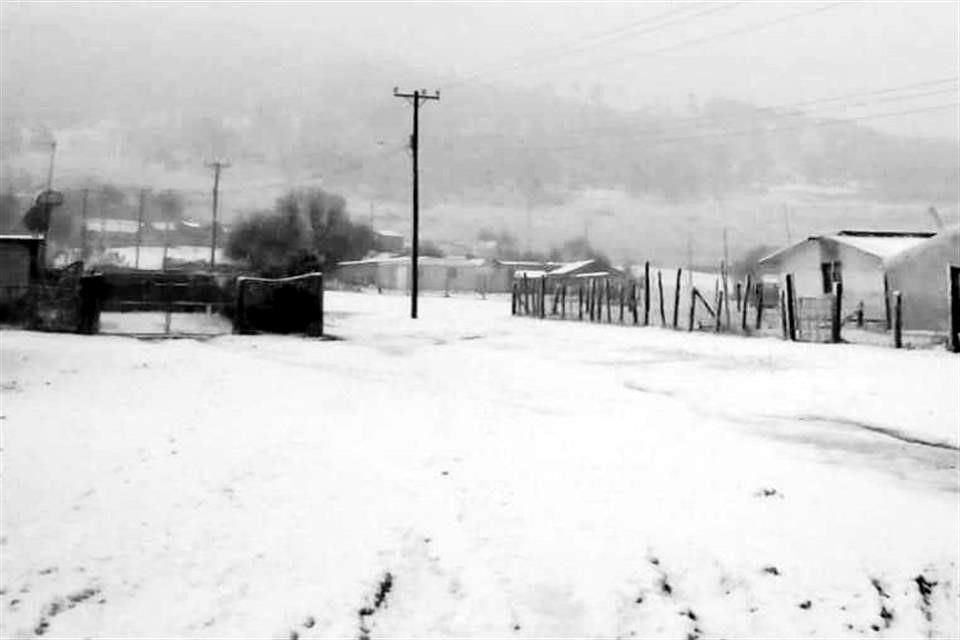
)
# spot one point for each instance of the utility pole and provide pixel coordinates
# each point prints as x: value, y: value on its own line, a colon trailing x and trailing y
x: 217, y: 166
x: 83, y: 228
x: 416, y: 99
x: 136, y: 260
x: 786, y: 222
x: 53, y: 153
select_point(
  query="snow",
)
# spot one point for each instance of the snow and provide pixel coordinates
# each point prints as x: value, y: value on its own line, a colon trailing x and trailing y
x: 515, y: 478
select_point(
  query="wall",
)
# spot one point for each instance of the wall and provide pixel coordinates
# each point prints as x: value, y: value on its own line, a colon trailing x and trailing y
x: 921, y: 277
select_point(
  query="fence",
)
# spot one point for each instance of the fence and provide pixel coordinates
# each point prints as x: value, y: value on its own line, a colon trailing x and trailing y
x: 280, y: 305
x: 686, y: 301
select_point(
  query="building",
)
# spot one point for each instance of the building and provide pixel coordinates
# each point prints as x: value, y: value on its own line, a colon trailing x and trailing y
x: 388, y: 241
x: 436, y: 274
x: 858, y: 259
x: 920, y: 275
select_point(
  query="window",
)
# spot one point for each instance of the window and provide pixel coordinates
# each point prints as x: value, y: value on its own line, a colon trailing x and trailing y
x: 831, y: 272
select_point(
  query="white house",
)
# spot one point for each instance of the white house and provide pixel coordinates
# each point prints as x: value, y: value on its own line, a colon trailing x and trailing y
x: 920, y: 275
x: 858, y: 259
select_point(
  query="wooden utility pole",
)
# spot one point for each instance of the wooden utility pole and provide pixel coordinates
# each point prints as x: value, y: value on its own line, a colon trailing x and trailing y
x: 217, y: 167
x: 416, y: 98
x: 53, y: 154
x: 136, y: 259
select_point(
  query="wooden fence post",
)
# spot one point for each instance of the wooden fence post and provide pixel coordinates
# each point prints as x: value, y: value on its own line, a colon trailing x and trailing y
x: 676, y: 300
x: 646, y: 293
x: 743, y: 302
x: 860, y: 315
x: 563, y: 301
x: 620, y: 295
x: 726, y: 295
x: 592, y: 297
x: 736, y: 293
x: 606, y: 290
x: 513, y: 297
x: 663, y: 316
x: 720, y: 307
x: 953, y: 276
x: 580, y: 302
x: 837, y: 316
x: 759, y: 298
x: 693, y: 306
x: 791, y: 308
x: 543, y: 296
x: 783, y: 315
x: 886, y: 302
x: 526, y: 296
x: 556, y: 299
x: 897, y: 320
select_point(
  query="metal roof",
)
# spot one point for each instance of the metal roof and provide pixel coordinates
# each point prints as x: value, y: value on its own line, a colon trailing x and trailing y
x: 880, y: 244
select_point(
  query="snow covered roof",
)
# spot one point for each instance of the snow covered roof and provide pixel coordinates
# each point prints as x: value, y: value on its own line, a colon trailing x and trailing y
x: 948, y: 239
x: 570, y: 267
x: 881, y: 244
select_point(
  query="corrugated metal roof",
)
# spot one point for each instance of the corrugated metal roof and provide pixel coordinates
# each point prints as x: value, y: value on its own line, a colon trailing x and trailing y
x: 881, y: 244
x: 570, y: 267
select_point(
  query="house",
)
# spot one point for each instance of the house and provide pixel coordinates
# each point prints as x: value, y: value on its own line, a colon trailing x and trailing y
x: 436, y: 274
x: 920, y: 274
x: 858, y: 259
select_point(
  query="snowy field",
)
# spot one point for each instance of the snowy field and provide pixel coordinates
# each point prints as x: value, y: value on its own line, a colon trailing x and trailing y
x: 471, y: 474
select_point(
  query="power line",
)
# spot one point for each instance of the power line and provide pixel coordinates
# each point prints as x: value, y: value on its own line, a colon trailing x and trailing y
x: 694, y: 121
x: 826, y: 123
x: 598, y: 40
x: 723, y: 34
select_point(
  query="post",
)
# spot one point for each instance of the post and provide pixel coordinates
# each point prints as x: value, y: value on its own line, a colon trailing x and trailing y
x: 726, y: 293
x: 526, y: 296
x: 136, y: 259
x: 783, y: 315
x: 606, y: 292
x: 860, y: 315
x: 886, y: 302
x: 217, y: 166
x: 791, y: 308
x: 556, y: 299
x: 742, y: 304
x: 563, y: 301
x: 513, y: 297
x: 634, y: 302
x: 953, y: 279
x: 543, y: 297
x: 759, y: 298
x: 736, y: 293
x: 676, y: 300
x: 693, y: 306
x: 663, y: 315
x: 897, y: 320
x: 320, y: 304
x: 591, y: 297
x: 580, y: 302
x: 837, y: 316
x: 620, y: 294
x: 646, y: 293
x: 718, y: 325
x: 417, y: 98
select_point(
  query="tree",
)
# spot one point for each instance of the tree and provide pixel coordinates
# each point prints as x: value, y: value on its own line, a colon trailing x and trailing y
x: 308, y: 230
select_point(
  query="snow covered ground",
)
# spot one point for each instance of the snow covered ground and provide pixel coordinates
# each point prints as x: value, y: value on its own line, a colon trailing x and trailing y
x: 470, y: 474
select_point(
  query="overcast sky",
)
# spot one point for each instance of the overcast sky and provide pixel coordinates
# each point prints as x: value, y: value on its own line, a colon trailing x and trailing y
x: 625, y: 54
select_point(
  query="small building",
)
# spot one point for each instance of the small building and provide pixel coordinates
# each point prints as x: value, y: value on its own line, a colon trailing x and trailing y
x: 920, y: 274
x: 856, y: 258
x: 435, y: 274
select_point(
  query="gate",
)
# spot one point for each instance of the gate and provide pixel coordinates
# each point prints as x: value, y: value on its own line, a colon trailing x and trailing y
x: 814, y: 317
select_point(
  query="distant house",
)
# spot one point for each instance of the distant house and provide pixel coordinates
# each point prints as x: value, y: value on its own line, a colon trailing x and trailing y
x: 435, y: 274
x: 920, y: 275
x: 858, y: 259
x: 388, y: 241
x: 568, y: 271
